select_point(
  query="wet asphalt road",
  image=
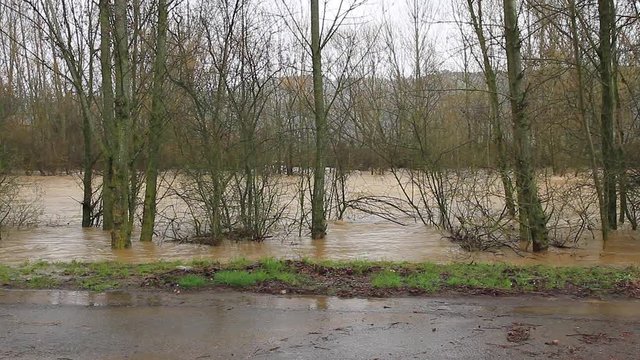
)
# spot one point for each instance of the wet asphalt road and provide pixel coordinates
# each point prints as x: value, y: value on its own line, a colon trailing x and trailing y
x: 228, y: 325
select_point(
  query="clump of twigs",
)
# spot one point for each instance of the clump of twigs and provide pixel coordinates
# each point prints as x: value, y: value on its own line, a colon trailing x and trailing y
x: 20, y: 206
x: 633, y: 197
x: 572, y: 209
x: 482, y: 222
x: 203, y: 209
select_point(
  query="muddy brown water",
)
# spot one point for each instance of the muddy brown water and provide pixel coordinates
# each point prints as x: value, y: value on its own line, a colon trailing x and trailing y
x: 60, y: 238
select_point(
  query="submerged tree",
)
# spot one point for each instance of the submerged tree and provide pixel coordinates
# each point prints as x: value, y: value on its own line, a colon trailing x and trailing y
x: 123, y: 134
x: 584, y: 117
x: 318, y: 218
x: 108, y: 128
x: 607, y: 111
x: 156, y: 123
x: 477, y: 21
x: 531, y: 215
x: 71, y: 38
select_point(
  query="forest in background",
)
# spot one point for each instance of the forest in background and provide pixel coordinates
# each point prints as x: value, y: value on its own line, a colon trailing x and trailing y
x: 235, y: 94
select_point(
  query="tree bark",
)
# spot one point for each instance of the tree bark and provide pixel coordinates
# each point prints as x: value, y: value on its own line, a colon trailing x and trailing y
x: 318, y: 220
x: 582, y: 111
x: 494, y: 106
x: 605, y: 12
x: 121, y: 232
x: 155, y: 124
x: 87, y: 179
x: 531, y: 214
x: 107, y: 114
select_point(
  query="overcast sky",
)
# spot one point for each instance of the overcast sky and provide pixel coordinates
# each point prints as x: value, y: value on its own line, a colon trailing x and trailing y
x: 442, y: 30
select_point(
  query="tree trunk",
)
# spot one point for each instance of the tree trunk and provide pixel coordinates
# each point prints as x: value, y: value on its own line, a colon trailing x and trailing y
x: 582, y: 111
x: 318, y: 220
x: 621, y: 163
x: 155, y: 125
x: 121, y: 232
x: 136, y: 70
x: 107, y: 114
x: 74, y: 67
x: 494, y: 106
x: 87, y: 179
x: 531, y: 214
x: 605, y: 11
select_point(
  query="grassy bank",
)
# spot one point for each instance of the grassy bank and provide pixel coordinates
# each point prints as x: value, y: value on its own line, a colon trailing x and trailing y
x: 342, y: 278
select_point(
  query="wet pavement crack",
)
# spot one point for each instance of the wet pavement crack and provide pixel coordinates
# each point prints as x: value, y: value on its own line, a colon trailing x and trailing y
x: 596, y: 338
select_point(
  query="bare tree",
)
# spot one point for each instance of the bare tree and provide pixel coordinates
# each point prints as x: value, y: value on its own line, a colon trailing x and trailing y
x: 606, y: 12
x: 121, y: 187
x: 64, y: 26
x: 156, y: 123
x: 530, y: 213
x: 477, y: 21
x: 318, y: 218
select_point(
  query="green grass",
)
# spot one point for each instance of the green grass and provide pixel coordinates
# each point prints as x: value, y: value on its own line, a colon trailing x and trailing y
x: 7, y: 274
x: 191, y: 281
x: 287, y: 278
x: 239, y: 278
x: 272, y: 265
x: 428, y: 278
x: 244, y: 278
x: 478, y: 276
x: 160, y: 266
x: 387, y: 279
x: 239, y: 263
x: 429, y: 282
x: 94, y: 284
x: 358, y: 266
x: 42, y: 282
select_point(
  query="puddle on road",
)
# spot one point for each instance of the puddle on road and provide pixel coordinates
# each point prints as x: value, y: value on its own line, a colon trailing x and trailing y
x: 82, y: 298
x: 628, y: 309
x: 146, y: 299
x: 619, y: 309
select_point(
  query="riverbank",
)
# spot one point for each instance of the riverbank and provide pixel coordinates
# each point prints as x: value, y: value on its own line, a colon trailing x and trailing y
x: 356, y: 278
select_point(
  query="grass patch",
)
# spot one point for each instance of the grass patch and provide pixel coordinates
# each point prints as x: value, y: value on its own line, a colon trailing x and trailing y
x: 156, y: 267
x: 191, y: 281
x: 272, y: 265
x: 358, y: 266
x: 98, y: 285
x: 239, y: 263
x: 347, y: 278
x: 239, y: 278
x: 29, y: 267
x: 42, y: 282
x: 481, y: 276
x: 287, y: 278
x: 244, y: 278
x: 429, y: 282
x: 7, y: 274
x: 387, y: 279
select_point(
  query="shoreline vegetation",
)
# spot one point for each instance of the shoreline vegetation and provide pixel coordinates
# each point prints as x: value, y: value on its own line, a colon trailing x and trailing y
x: 353, y: 278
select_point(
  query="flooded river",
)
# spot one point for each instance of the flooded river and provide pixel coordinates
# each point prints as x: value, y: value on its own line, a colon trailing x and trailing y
x: 60, y: 238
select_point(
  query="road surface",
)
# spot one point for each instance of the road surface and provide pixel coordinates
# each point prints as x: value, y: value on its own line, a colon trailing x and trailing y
x: 228, y: 325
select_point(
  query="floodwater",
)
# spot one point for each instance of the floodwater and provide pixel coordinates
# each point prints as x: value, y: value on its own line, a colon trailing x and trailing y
x: 60, y: 238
